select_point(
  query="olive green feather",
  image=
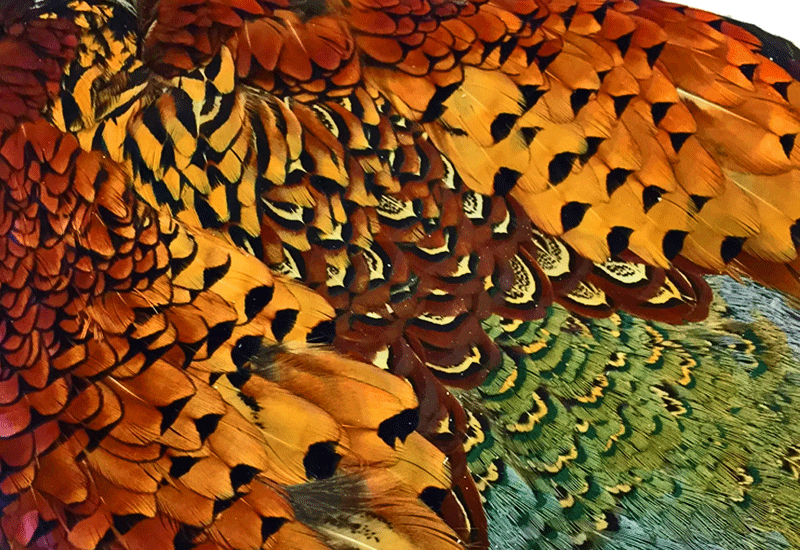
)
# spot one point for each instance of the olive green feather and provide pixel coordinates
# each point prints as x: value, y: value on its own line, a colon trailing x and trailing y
x: 627, y: 434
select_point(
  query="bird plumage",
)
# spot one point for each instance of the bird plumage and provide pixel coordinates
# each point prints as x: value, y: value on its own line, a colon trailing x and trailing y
x: 219, y: 211
x: 654, y: 435
x: 154, y: 374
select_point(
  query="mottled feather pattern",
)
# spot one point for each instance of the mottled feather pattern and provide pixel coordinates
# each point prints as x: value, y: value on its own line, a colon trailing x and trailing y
x: 219, y: 216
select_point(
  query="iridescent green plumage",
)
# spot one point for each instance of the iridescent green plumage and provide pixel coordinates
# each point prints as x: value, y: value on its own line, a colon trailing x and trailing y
x: 635, y: 434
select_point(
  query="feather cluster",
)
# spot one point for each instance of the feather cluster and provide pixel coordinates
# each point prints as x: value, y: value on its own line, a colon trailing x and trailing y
x: 218, y: 217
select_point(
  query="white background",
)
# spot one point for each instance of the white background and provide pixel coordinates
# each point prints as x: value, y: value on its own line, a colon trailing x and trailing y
x: 781, y: 17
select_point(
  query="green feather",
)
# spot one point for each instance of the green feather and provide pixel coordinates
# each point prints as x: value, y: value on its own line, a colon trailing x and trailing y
x: 627, y: 434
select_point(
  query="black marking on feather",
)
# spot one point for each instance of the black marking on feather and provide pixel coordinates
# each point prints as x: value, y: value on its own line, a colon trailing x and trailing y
x: 659, y: 110
x: 321, y: 460
x: 568, y: 14
x: 180, y: 465
x: 616, y: 178
x: 502, y: 125
x: 699, y: 201
x: 731, y: 247
x: 651, y: 196
x: 504, y: 180
x: 437, y: 324
x: 653, y: 53
x: 672, y: 243
x: 507, y: 48
x: 222, y: 504
x: 126, y: 522
x: 238, y: 379
x: 560, y: 167
x: 544, y: 61
x: 621, y: 103
x: 618, y: 239
x: 592, y: 145
x: 433, y: 497
x: 531, y: 95
x: 748, y: 70
x: 225, y: 109
x: 242, y: 474
x: 399, y: 426
x: 572, y: 214
x: 219, y: 334
x: 323, y: 333
x: 403, y: 291
x: 207, y: 425
x: 795, y: 233
x: 579, y: 98
x: 213, y: 67
x: 170, y: 412
x: 782, y: 88
x: 787, y: 142
x: 270, y: 526
x: 245, y: 349
x: 600, y: 13
x: 283, y: 323
x: 624, y: 43
x: 435, y: 105
x: 211, y: 275
x: 70, y: 110
x: 529, y: 133
x: 183, y: 539
x: 209, y: 218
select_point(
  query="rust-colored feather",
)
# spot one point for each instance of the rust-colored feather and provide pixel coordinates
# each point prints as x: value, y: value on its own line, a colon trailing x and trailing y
x: 163, y: 388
